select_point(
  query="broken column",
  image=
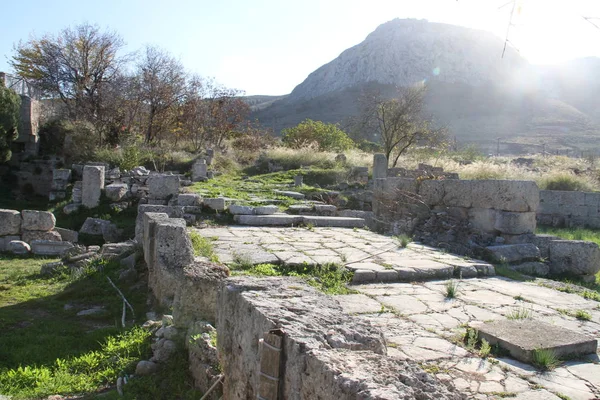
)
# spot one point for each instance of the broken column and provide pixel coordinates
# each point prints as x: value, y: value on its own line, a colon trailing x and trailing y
x: 93, y: 183
x: 60, y: 181
x: 380, y: 163
x: 199, y: 170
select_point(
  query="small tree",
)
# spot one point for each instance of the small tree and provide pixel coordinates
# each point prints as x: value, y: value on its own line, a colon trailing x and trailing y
x: 327, y: 137
x: 10, y: 103
x: 398, y: 122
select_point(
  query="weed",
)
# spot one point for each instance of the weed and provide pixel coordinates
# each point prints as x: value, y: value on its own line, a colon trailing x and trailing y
x: 203, y: 246
x: 451, y: 289
x: 583, y: 315
x: 471, y: 338
x: 504, y: 394
x: 521, y: 298
x: 563, y: 311
x: 310, y: 226
x: 485, y: 348
x: 403, y: 240
x: 545, y: 359
x: 392, y: 345
x: 519, y: 313
x: 344, y: 258
x: 562, y: 396
x: 590, y: 295
x: 382, y: 309
x: 242, y: 262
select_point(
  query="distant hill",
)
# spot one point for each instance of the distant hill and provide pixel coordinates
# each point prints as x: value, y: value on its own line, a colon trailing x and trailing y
x: 476, y: 93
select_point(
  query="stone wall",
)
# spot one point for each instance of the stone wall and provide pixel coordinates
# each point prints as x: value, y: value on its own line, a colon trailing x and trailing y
x: 495, y: 207
x: 569, y: 209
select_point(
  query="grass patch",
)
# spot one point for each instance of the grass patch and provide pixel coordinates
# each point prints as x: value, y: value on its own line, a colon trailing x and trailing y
x: 202, y: 246
x: 403, y: 240
x: 329, y: 278
x: 545, y: 359
x: 583, y: 315
x: 451, y: 289
x: 519, y: 313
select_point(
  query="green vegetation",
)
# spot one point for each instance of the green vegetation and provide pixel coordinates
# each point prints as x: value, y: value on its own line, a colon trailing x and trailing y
x: 451, y: 289
x: 565, y: 181
x: 328, y: 278
x: 403, y: 240
x: 519, y: 313
x: 319, y: 135
x: 10, y: 104
x: 545, y: 359
x: 503, y: 270
x: 485, y: 348
x: 202, y: 246
x: 583, y: 315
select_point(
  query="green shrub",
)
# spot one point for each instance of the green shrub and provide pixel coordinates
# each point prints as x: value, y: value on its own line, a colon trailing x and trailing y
x: 10, y: 104
x: 325, y: 137
x: 565, y: 181
x: 75, y: 140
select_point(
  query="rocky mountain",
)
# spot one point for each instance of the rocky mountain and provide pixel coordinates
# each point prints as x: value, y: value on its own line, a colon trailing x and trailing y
x: 474, y: 91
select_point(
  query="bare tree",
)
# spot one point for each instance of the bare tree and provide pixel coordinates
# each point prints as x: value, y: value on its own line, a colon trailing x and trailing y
x: 162, y: 85
x: 398, y: 122
x: 74, y: 66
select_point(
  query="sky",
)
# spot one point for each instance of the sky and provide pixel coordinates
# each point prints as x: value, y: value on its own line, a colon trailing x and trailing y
x: 270, y: 46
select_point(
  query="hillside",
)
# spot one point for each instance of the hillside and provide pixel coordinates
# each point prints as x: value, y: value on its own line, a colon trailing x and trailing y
x: 476, y: 93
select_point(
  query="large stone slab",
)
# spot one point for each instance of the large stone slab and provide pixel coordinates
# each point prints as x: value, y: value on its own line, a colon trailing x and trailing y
x: 515, y: 223
x: 10, y: 222
x: 49, y: 248
x: 38, y: 220
x: 522, y: 337
x: 574, y: 257
x: 268, y: 220
x: 116, y: 191
x: 93, y: 183
x: 339, y: 222
x: 163, y: 186
x: 514, y: 253
x: 286, y: 193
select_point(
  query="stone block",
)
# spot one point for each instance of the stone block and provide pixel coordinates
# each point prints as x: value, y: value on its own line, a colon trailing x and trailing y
x: 570, y: 198
x: 157, y: 202
x: 522, y: 337
x: 93, y: 226
x: 49, y: 248
x: 458, y: 193
x: 513, y: 253
x: 517, y: 196
x: 388, y: 275
x: 116, y: 191
x: 10, y: 222
x: 380, y: 165
x: 37, y: 220
x: 482, y: 219
x: 335, y: 222
x: 364, y: 276
x: 266, y: 210
x: 18, y: 247
x: 431, y: 192
x: 68, y: 235
x: 592, y: 199
x: 237, y: 209
x: 171, y: 211
x: 163, y: 186
x: 217, y: 204
x: 534, y: 268
x: 92, y: 185
x: 576, y: 257
x: 30, y: 236
x: 149, y: 220
x: 199, y: 170
x: 268, y: 220
x: 71, y: 208
x: 173, y: 247
x: 301, y: 208
x: 55, y: 195
x: 189, y: 199
x: 515, y: 223
x: 61, y: 174
x: 287, y: 193
x: 298, y: 180
x: 325, y: 209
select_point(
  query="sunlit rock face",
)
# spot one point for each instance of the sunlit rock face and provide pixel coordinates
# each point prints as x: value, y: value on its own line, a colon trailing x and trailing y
x: 404, y: 52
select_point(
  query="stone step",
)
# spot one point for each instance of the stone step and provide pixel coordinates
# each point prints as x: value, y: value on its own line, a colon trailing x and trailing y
x: 288, y: 220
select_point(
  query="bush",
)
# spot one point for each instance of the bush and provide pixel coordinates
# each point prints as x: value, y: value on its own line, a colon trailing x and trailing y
x: 75, y: 140
x: 326, y: 137
x: 566, y: 181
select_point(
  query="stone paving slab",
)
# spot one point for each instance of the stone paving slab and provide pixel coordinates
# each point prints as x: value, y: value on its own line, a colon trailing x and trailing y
x: 420, y: 324
x: 372, y: 257
x: 522, y: 337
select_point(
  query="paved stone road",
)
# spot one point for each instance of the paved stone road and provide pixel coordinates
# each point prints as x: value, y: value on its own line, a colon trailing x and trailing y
x: 373, y: 257
x: 421, y: 325
x: 418, y: 322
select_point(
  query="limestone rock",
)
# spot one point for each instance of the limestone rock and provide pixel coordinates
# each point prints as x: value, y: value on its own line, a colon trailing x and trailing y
x: 30, y: 236
x: 189, y: 199
x: 68, y: 235
x: 19, y: 247
x: 515, y: 223
x: 146, y: 368
x: 513, y: 253
x: 93, y: 183
x: 576, y: 257
x: 163, y: 187
x: 49, y: 247
x: 116, y: 191
x: 266, y: 210
x: 10, y: 222
x: 237, y: 209
x: 38, y: 220
x: 71, y: 208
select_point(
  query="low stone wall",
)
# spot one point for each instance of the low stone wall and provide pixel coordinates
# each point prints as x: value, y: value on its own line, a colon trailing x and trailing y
x: 496, y: 207
x: 569, y: 209
x: 32, y: 231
